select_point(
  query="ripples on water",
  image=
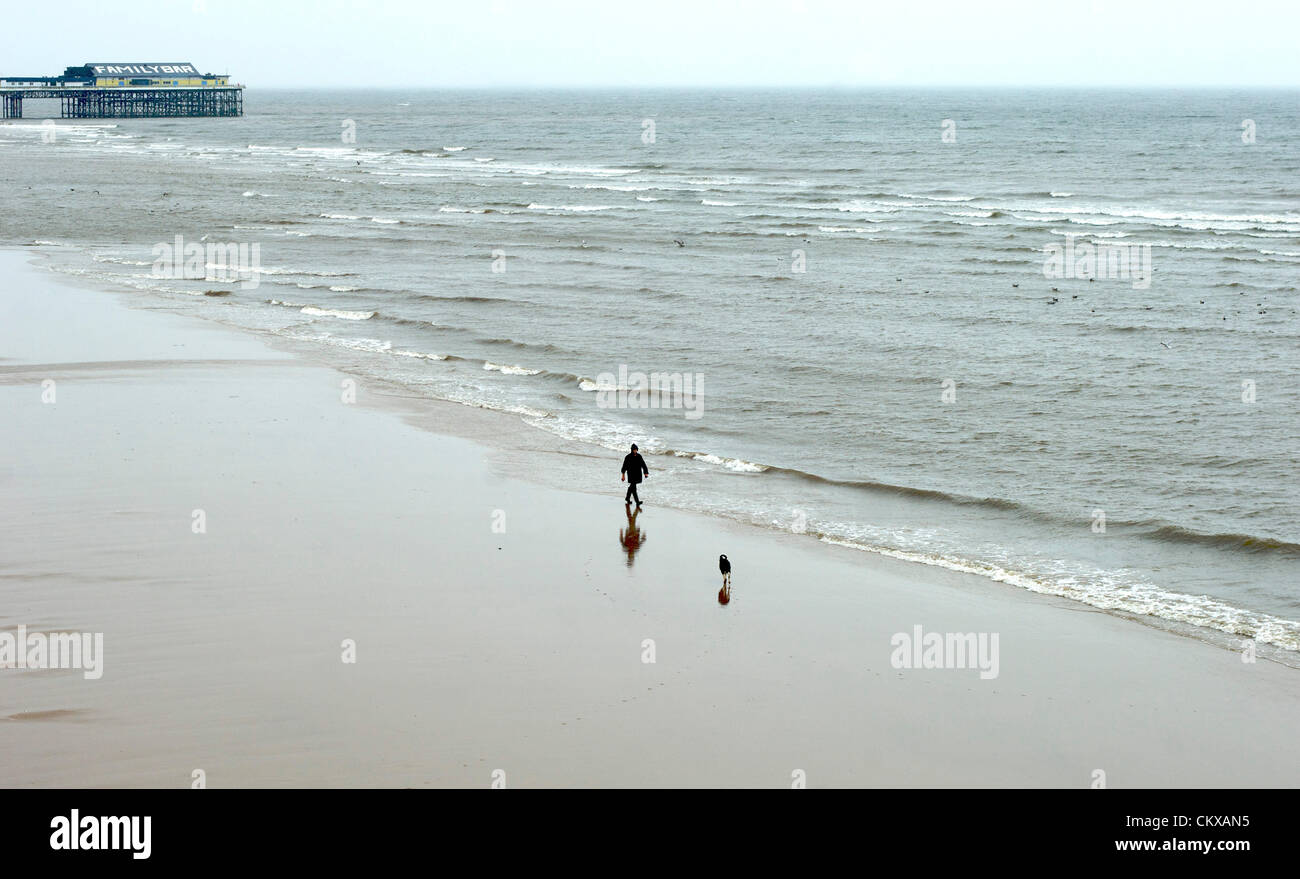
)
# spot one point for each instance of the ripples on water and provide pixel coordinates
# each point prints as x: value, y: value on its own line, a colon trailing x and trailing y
x: 823, y: 389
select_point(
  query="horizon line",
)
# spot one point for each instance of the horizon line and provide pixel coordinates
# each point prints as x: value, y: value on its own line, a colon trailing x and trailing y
x: 791, y: 87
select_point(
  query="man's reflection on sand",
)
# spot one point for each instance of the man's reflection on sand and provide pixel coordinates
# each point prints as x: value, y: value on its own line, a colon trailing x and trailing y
x: 631, y: 537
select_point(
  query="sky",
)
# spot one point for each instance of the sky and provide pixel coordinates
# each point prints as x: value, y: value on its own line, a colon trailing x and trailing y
x: 672, y: 43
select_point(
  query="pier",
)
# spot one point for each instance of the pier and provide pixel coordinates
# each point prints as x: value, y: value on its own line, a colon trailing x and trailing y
x: 133, y: 91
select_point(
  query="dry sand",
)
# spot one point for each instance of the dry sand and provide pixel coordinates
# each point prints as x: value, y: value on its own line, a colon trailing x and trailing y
x: 519, y: 651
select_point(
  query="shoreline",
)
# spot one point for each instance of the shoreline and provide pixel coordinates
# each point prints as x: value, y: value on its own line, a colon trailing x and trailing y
x: 511, y: 438
x: 367, y: 519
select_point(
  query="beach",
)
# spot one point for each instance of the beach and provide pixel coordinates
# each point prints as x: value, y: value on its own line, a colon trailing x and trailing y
x: 1042, y: 353
x: 212, y: 501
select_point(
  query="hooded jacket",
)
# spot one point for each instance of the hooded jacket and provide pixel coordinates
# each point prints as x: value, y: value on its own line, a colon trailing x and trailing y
x: 633, y: 466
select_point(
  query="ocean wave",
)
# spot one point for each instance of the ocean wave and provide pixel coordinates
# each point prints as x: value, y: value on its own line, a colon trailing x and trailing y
x: 844, y: 232
x: 993, y: 503
x: 574, y: 208
x: 387, y: 221
x: 1238, y: 542
x: 722, y: 181
x: 515, y: 343
x: 608, y: 435
x: 366, y: 345
x: 1195, y: 220
x: 530, y: 413
x: 737, y: 465
x: 369, y: 346
x: 419, y: 355
x: 588, y: 384
x: 511, y: 370
x: 117, y: 260
x: 316, y: 311
x: 957, y: 198
x: 609, y: 186
x: 486, y: 300
x: 1074, y: 233
x: 1136, y: 598
x: 862, y: 207
x: 412, y: 175
x: 1077, y: 220
x: 280, y: 270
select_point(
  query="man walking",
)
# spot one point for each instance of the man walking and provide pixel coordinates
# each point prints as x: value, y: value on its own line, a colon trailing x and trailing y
x: 633, y: 467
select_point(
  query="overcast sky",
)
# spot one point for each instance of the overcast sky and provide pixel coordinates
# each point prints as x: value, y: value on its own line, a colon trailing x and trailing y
x: 621, y: 43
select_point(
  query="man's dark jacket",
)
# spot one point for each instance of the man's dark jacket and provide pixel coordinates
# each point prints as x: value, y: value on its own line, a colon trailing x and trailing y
x: 633, y: 466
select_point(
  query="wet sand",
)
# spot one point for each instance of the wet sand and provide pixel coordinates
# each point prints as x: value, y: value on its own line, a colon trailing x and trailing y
x: 480, y: 650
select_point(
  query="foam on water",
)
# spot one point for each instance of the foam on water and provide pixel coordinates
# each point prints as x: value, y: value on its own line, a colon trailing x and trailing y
x: 511, y: 370
x: 334, y: 312
x: 1093, y: 396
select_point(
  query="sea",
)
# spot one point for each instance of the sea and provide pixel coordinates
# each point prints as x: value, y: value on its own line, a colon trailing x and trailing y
x: 1047, y: 337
